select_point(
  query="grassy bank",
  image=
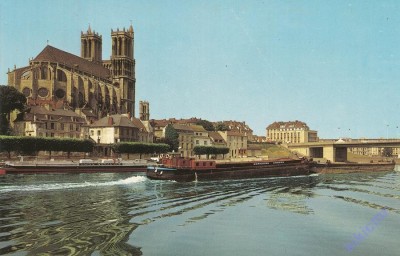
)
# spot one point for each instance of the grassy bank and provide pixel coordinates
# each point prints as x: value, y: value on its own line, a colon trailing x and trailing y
x: 275, y: 151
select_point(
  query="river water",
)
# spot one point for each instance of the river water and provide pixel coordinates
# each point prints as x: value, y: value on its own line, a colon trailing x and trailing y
x: 127, y: 214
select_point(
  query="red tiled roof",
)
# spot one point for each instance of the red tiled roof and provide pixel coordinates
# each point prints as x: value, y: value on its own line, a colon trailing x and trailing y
x: 164, y: 122
x: 234, y: 133
x: 117, y: 121
x: 88, y: 113
x: 235, y: 126
x: 138, y: 123
x: 159, y: 123
x: 53, y: 54
x: 215, y: 136
x: 179, y: 127
x: 42, y: 113
x: 198, y: 128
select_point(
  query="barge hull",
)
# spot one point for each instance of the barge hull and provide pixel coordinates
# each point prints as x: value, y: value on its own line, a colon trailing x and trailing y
x: 70, y: 169
x: 228, y: 173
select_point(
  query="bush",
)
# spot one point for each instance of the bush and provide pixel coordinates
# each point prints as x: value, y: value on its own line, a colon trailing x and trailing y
x: 32, y: 145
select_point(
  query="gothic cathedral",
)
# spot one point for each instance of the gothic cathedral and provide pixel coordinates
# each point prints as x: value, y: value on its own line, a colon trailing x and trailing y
x: 59, y: 79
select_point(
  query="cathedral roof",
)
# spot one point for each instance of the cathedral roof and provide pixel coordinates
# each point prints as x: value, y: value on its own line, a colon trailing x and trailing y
x: 53, y: 54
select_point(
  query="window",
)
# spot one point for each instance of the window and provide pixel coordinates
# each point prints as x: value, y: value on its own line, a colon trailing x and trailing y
x: 205, y: 142
x: 197, y: 142
x: 71, y: 127
x: 52, y: 126
x: 61, y: 76
x: 61, y: 126
x: 98, y: 132
x: 92, y: 132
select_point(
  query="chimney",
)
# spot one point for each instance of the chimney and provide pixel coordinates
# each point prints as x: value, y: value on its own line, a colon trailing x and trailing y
x: 110, y: 121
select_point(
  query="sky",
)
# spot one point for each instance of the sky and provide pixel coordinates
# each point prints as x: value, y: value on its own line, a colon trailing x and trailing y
x: 332, y: 64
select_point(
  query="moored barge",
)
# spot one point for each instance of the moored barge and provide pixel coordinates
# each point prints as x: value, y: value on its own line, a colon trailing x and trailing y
x: 190, y: 169
x: 80, y: 166
x: 352, y: 167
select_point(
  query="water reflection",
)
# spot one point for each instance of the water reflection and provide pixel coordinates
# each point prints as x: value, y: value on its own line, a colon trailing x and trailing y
x: 96, y: 214
x: 66, y: 222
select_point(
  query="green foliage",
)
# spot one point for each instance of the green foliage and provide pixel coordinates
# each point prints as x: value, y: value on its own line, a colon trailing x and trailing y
x: 221, y: 127
x: 140, y: 148
x: 207, y: 125
x: 210, y: 150
x: 31, y: 145
x: 10, y: 100
x: 171, y: 137
x: 387, y: 152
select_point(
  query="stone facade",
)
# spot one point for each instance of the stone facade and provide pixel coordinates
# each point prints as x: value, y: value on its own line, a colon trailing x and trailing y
x: 40, y: 121
x: 186, y: 139
x: 236, y: 142
x: 291, y: 132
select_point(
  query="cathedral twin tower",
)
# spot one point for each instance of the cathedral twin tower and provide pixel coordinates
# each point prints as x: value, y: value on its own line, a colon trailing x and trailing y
x: 58, y: 78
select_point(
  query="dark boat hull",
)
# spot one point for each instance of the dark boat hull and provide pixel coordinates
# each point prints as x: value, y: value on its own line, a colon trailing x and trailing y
x: 72, y: 169
x: 228, y: 173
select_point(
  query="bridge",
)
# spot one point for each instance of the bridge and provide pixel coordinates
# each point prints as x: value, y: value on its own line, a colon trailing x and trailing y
x: 336, y: 150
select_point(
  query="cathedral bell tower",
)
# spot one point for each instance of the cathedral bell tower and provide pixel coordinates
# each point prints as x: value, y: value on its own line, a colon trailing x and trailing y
x: 144, y: 110
x: 123, y: 67
x: 91, y: 46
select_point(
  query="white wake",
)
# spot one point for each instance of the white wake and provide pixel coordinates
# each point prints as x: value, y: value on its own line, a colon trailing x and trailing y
x: 61, y: 186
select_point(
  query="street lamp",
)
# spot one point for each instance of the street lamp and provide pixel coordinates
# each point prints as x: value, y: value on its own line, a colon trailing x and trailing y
x: 387, y: 132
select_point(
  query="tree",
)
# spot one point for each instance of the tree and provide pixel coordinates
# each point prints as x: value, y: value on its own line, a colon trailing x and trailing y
x: 171, y: 137
x: 10, y: 99
x: 31, y: 145
x: 387, y: 152
x: 207, y: 125
x: 221, y: 127
x: 7, y: 144
x: 209, y: 150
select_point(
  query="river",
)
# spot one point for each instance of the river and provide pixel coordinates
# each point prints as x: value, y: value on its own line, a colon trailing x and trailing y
x: 127, y: 214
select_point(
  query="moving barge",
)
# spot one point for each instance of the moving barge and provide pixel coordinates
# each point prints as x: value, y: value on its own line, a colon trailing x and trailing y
x: 81, y: 166
x: 190, y: 169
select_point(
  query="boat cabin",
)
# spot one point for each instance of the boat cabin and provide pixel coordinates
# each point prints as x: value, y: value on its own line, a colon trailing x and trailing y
x: 188, y: 163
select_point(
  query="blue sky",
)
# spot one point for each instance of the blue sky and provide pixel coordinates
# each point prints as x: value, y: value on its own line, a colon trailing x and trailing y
x: 332, y: 64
